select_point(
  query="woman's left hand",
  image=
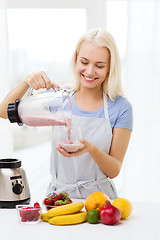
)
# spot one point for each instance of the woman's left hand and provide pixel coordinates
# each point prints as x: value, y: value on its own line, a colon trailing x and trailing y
x: 87, y: 147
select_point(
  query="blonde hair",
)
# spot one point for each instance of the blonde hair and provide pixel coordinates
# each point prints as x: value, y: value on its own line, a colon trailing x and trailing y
x: 112, y: 84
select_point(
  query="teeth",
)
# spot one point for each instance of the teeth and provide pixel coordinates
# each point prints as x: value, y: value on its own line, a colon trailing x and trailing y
x: 89, y: 79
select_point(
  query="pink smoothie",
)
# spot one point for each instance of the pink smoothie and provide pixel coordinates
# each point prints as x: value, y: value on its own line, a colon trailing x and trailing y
x: 71, y: 147
x: 49, y: 120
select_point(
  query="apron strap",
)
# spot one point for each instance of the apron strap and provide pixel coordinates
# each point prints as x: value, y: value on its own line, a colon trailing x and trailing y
x: 69, y: 188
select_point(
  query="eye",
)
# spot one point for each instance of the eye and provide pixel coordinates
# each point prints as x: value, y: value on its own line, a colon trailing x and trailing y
x: 85, y: 63
x: 99, y: 66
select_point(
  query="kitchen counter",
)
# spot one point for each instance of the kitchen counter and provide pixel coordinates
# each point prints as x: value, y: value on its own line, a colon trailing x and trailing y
x: 144, y: 223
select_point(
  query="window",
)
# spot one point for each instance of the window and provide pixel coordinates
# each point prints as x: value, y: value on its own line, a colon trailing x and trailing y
x: 41, y: 39
x: 45, y: 38
x: 42, y: 36
x: 117, y: 23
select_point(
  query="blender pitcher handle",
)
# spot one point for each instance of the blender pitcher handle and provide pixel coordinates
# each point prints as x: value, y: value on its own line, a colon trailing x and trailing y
x: 52, y: 86
x: 30, y: 93
x: 68, y: 96
x: 68, y: 122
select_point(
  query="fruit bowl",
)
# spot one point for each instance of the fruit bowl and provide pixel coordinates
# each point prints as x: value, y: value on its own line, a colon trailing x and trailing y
x: 48, y: 207
x: 28, y: 214
x: 56, y: 200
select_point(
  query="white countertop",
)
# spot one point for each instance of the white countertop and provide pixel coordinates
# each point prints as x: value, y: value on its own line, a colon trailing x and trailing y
x: 144, y: 223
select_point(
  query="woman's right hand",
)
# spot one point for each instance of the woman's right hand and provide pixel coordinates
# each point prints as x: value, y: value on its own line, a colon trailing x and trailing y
x: 40, y: 80
x: 35, y: 80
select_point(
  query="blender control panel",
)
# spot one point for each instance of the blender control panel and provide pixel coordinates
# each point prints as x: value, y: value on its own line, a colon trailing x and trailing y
x: 17, y: 184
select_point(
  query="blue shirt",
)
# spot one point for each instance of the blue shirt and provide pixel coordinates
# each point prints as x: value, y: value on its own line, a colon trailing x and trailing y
x: 120, y: 112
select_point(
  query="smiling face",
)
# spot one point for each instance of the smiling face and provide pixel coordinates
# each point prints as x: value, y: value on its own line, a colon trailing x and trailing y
x: 93, y: 64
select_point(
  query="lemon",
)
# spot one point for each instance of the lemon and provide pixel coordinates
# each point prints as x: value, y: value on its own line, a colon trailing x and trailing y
x: 124, y: 205
x: 92, y: 216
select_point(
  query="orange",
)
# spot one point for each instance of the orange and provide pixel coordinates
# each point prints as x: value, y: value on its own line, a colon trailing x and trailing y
x: 96, y: 201
x: 124, y: 205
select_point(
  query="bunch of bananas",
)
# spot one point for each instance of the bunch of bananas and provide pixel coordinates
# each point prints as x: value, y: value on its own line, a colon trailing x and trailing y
x: 65, y: 215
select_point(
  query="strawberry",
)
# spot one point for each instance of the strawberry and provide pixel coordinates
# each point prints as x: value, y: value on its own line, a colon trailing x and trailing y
x: 36, y: 205
x: 48, y: 201
x: 23, y: 219
x: 21, y: 213
x: 62, y: 202
x: 36, y: 216
x: 70, y: 201
x: 58, y: 203
x: 54, y: 198
x: 57, y: 199
x: 62, y: 196
x: 30, y: 213
x: 51, y: 200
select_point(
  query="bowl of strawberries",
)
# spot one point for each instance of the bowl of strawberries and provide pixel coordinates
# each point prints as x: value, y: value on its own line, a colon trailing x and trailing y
x: 29, y: 214
x: 56, y: 200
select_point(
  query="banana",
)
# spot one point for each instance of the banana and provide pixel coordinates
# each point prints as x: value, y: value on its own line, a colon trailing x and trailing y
x: 44, y: 217
x: 62, y: 210
x: 65, y: 209
x: 68, y: 219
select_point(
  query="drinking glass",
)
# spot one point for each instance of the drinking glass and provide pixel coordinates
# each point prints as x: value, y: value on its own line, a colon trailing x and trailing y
x: 68, y: 138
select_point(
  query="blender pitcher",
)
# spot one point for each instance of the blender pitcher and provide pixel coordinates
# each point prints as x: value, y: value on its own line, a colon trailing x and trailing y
x: 42, y: 109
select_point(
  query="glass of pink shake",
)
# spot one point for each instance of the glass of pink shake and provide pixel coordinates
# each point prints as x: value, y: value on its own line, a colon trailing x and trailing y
x: 69, y: 137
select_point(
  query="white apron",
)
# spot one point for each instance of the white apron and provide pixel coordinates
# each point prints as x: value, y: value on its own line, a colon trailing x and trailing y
x: 81, y: 176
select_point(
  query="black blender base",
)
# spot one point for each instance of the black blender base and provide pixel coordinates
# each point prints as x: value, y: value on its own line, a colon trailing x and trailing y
x: 12, y: 204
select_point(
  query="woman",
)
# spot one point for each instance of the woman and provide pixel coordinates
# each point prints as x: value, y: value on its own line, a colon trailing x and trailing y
x: 99, y: 109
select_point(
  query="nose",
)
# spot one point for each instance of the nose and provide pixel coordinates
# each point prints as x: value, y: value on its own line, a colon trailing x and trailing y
x: 90, y: 70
